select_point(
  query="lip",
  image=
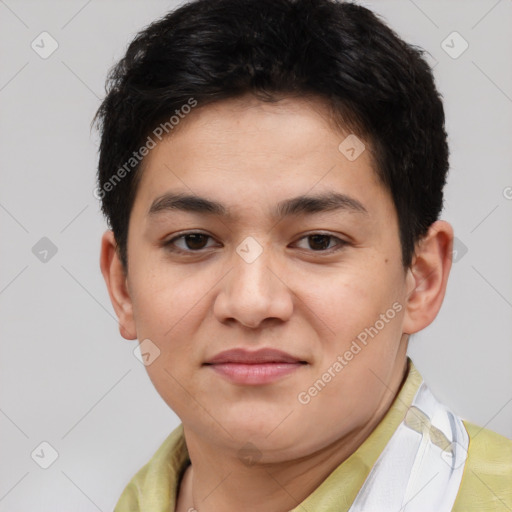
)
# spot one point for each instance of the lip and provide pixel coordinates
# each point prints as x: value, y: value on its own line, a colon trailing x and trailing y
x: 263, y: 355
x: 263, y: 366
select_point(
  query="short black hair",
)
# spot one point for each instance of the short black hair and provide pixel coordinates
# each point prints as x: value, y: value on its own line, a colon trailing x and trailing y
x: 377, y: 86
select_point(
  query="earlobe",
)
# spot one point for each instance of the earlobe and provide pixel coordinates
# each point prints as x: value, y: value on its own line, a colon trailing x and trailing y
x: 117, y: 285
x: 428, y: 277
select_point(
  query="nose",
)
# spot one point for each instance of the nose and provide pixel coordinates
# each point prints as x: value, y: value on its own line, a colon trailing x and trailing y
x: 254, y: 292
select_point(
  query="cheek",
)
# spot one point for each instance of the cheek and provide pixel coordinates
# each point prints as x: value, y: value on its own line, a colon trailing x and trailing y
x: 163, y: 300
x: 351, y: 298
x: 167, y: 310
x: 363, y: 306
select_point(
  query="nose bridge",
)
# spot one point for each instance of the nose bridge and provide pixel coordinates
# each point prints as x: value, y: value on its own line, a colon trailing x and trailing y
x: 251, y: 291
x: 252, y: 268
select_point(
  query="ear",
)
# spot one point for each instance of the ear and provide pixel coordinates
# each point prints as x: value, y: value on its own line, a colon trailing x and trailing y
x: 116, y: 280
x: 428, y: 276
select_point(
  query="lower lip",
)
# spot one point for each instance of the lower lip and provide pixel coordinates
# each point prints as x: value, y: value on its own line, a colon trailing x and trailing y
x: 254, y: 374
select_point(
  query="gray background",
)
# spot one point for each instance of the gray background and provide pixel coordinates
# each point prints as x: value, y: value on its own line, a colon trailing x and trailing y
x: 67, y: 376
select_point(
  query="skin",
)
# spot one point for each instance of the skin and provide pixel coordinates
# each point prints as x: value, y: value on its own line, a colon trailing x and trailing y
x: 309, y: 302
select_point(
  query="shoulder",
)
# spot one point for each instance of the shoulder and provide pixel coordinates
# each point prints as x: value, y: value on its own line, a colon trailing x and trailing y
x: 487, y: 478
x: 154, y: 486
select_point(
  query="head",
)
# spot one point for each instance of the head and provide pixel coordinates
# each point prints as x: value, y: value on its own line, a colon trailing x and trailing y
x: 272, y: 172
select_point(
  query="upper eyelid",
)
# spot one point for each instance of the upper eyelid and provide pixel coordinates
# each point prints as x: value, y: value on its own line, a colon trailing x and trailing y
x: 191, y: 233
x: 187, y: 233
x: 177, y: 237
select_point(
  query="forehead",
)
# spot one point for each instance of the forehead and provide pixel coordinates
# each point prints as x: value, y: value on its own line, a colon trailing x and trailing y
x: 240, y: 152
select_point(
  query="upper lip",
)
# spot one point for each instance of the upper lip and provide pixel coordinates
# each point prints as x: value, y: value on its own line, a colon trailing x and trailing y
x: 243, y: 356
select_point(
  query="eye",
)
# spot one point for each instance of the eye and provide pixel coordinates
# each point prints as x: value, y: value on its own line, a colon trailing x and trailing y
x: 193, y: 241
x: 319, y: 242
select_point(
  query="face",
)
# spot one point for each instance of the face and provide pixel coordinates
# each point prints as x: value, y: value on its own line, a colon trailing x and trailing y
x: 321, y: 281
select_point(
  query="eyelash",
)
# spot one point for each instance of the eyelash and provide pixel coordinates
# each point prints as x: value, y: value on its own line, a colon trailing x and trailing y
x: 170, y: 247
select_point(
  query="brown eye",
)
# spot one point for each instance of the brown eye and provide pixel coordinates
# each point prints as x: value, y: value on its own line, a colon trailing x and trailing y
x: 320, y: 242
x: 195, y: 240
x: 191, y: 242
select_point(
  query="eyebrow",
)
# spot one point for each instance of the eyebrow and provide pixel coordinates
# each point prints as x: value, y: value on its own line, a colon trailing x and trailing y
x: 304, y: 204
